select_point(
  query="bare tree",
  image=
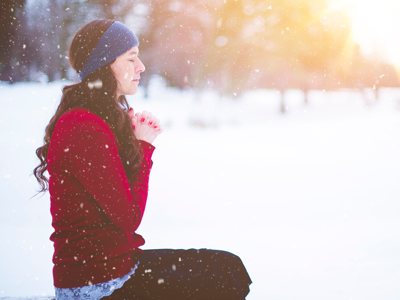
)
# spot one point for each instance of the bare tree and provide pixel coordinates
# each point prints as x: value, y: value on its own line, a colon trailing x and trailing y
x: 11, y: 24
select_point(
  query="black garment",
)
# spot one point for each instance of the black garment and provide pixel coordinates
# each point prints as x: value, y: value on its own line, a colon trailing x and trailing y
x: 178, y: 274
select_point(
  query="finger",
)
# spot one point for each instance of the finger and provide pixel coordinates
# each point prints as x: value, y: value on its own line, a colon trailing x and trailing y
x: 141, y: 118
x: 144, y: 117
x: 152, y: 121
x: 148, y: 114
x: 131, y: 113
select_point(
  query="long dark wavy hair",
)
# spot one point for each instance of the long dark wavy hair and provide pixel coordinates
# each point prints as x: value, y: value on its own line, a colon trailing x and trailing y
x: 102, y: 101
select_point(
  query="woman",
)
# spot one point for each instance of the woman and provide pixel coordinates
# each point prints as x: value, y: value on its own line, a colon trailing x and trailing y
x: 98, y: 155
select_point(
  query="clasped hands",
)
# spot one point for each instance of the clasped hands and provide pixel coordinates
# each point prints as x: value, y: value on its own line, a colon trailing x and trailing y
x: 145, y: 126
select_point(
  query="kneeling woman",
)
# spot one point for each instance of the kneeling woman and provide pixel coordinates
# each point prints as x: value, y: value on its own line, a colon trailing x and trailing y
x: 98, y: 154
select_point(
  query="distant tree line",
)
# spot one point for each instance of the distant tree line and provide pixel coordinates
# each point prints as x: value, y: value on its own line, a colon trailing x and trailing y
x: 228, y: 45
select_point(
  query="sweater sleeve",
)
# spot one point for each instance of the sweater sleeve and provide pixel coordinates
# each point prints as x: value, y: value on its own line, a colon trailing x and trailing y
x: 95, y: 162
x: 141, y: 182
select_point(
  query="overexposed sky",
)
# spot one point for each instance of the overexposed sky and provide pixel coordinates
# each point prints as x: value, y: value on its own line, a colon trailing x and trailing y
x: 375, y: 25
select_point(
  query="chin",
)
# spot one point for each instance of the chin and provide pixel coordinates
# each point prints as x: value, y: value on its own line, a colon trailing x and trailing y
x: 131, y: 92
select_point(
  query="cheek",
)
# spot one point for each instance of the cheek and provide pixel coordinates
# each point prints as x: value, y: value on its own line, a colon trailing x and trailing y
x: 127, y: 73
x: 119, y: 74
x: 122, y: 72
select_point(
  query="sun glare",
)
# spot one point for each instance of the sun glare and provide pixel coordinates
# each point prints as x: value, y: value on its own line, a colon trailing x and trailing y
x: 375, y: 25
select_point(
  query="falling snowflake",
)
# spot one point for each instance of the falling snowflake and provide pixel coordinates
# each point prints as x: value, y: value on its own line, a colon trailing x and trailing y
x: 97, y: 84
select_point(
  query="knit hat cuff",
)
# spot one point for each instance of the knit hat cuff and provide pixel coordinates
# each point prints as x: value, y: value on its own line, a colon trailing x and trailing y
x: 116, y: 40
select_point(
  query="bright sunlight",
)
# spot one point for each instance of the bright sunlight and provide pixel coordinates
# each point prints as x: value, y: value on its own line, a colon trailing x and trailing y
x: 375, y: 25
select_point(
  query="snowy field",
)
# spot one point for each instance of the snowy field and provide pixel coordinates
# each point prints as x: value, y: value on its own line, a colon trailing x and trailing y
x: 309, y: 200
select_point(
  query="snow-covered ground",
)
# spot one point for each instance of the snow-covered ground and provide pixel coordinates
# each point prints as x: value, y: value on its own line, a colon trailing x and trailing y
x: 309, y: 200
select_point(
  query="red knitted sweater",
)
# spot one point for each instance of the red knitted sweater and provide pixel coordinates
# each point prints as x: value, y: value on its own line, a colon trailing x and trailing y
x: 95, y: 208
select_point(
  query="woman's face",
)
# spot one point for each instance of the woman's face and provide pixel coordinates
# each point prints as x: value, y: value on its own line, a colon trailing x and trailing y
x: 127, y: 68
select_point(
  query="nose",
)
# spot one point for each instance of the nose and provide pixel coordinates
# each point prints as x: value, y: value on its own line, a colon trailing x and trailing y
x: 141, y: 68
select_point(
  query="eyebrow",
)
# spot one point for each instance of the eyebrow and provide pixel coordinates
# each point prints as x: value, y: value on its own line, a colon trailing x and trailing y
x: 133, y: 52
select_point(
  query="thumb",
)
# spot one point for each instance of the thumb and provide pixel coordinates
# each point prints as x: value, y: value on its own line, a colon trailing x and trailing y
x: 134, y: 122
x: 131, y: 112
